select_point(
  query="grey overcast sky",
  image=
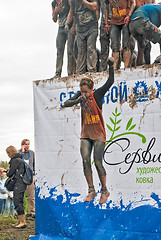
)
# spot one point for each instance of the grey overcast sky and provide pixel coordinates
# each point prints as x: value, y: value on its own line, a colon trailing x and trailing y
x: 27, y: 42
x: 28, y: 53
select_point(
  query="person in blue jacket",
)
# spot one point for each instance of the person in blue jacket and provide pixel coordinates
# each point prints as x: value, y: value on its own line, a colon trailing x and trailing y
x: 144, y: 24
x: 3, y: 190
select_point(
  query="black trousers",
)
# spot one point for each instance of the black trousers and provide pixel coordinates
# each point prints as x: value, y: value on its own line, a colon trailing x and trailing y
x: 18, y: 195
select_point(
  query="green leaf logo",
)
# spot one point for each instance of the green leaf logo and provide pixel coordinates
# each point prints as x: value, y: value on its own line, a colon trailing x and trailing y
x: 115, y: 127
x: 109, y: 128
x: 112, y: 120
x: 132, y: 127
x: 129, y: 124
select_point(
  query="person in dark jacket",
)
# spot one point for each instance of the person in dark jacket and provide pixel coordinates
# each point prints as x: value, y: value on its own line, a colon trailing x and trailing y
x: 17, y: 167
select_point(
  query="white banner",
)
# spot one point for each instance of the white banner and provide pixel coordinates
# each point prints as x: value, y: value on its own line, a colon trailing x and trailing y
x: 132, y: 159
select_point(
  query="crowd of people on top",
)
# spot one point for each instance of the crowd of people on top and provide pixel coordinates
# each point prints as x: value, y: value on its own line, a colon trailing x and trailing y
x: 124, y: 23
x: 12, y: 202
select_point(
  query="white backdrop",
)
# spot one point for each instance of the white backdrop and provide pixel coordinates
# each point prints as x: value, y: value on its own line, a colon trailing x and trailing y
x: 132, y: 157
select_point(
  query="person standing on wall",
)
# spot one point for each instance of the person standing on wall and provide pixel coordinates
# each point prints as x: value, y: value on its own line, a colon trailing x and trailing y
x: 29, y: 157
x: 121, y: 11
x: 86, y: 33
x: 104, y: 36
x: 93, y: 135
x: 17, y: 168
x: 60, y: 9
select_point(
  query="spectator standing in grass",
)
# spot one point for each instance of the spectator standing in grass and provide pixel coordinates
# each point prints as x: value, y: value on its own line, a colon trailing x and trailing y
x: 9, y: 209
x: 17, y: 169
x: 3, y: 190
x: 29, y: 157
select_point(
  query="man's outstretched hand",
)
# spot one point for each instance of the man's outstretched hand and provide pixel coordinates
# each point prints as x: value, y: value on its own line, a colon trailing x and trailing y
x: 110, y: 61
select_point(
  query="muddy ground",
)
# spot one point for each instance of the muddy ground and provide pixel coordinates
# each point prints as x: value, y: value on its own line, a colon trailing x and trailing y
x: 7, y: 232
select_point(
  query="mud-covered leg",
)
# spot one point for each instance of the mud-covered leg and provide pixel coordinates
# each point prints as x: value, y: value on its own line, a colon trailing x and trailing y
x: 86, y: 149
x: 147, y: 55
x: 98, y: 155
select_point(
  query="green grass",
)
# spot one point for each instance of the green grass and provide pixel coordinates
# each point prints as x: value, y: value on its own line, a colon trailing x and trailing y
x: 7, y: 220
x: 8, y: 232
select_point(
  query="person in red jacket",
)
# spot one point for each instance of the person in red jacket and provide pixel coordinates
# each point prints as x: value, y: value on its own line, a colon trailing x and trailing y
x: 93, y: 135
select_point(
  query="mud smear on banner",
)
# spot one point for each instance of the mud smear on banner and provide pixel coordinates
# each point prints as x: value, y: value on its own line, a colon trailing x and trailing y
x: 143, y: 114
x: 73, y: 80
x: 62, y: 180
x: 65, y: 174
x: 51, y: 108
x: 152, y: 92
x: 132, y: 101
x: 60, y: 143
x: 152, y: 69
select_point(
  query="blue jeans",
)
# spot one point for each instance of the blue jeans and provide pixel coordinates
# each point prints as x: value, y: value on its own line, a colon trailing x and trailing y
x: 2, y: 205
x: 9, y: 209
